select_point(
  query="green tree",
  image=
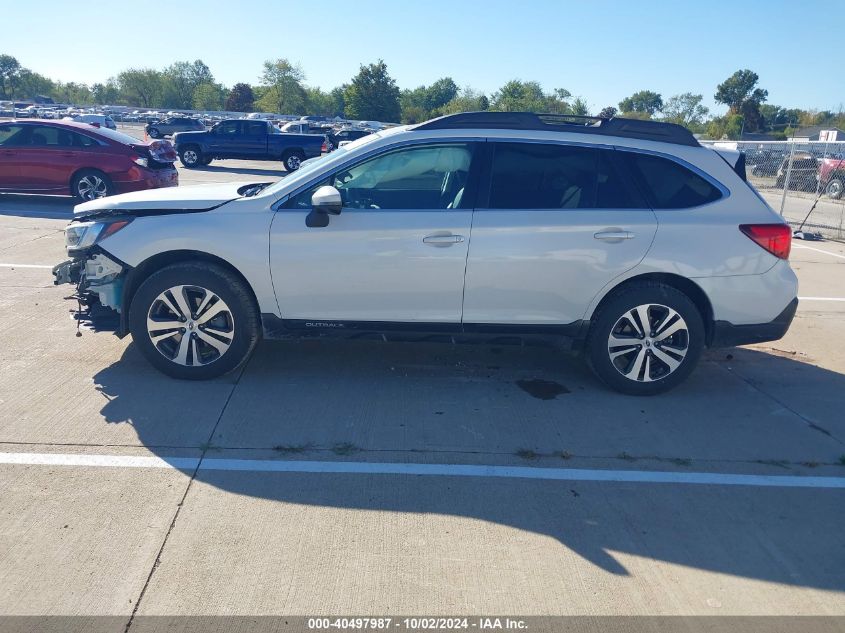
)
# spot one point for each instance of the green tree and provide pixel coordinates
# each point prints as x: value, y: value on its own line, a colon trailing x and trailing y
x: 467, y: 100
x: 685, y: 109
x: 181, y: 79
x: 642, y: 101
x: 528, y: 96
x: 241, y: 98
x: 10, y: 69
x: 319, y: 102
x: 338, y: 96
x: 29, y: 85
x: 283, y: 91
x: 608, y: 112
x: 373, y: 95
x: 208, y: 96
x: 739, y: 89
x: 726, y: 127
x: 71, y: 92
x: 141, y: 86
x: 107, y: 93
x: 580, y: 107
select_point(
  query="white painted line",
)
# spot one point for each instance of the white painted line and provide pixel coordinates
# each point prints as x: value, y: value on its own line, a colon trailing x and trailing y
x: 821, y: 298
x: 4, y: 265
x: 100, y: 461
x: 436, y: 470
x: 818, y: 250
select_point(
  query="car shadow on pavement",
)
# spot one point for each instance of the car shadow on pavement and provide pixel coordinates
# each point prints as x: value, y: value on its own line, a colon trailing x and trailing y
x: 451, y: 404
x: 31, y: 206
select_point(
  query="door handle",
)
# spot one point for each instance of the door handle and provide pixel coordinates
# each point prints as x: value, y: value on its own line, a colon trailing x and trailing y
x: 614, y: 236
x: 443, y: 240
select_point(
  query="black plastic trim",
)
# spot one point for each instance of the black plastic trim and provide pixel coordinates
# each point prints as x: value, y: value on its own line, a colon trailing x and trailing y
x: 726, y: 334
x: 621, y: 127
x: 278, y: 328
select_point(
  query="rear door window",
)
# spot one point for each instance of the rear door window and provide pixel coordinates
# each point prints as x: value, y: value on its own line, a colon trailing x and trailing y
x: 670, y: 185
x: 548, y: 176
x: 11, y: 135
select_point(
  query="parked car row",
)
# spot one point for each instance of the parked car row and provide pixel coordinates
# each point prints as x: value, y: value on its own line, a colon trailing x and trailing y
x: 807, y: 170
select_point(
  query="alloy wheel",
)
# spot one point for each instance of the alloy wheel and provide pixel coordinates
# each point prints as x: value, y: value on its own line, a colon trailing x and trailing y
x: 190, y: 325
x: 190, y: 157
x: 835, y: 188
x: 648, y: 343
x: 91, y: 187
x: 293, y: 162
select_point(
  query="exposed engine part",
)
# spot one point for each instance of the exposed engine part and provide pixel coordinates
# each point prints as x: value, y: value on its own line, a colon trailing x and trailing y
x: 101, y: 270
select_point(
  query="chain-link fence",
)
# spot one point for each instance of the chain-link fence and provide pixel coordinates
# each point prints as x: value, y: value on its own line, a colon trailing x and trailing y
x: 794, y: 176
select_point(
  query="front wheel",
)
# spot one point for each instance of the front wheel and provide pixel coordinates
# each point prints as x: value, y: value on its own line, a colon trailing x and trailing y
x: 154, y: 133
x: 645, y: 339
x: 835, y: 188
x: 191, y: 157
x: 194, y: 321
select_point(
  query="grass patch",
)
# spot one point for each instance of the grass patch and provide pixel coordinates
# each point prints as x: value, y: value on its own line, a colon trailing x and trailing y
x: 842, y: 460
x: 290, y: 449
x: 626, y: 456
x: 345, y: 448
x: 526, y: 453
x: 564, y: 454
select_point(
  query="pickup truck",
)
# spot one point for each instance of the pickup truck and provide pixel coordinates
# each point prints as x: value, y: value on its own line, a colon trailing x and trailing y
x: 248, y: 139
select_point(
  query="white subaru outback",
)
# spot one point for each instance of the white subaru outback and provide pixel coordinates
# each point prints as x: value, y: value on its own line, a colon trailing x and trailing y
x: 623, y: 239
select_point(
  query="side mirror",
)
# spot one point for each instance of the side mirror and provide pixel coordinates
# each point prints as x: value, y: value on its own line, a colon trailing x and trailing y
x: 327, y: 200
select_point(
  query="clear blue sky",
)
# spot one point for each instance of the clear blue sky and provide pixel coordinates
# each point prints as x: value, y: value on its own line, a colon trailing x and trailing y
x: 603, y: 51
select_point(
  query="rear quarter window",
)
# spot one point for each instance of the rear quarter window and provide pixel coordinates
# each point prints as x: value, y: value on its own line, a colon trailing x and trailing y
x: 670, y: 185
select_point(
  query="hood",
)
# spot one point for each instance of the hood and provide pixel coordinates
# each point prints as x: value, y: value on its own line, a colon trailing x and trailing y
x: 165, y: 200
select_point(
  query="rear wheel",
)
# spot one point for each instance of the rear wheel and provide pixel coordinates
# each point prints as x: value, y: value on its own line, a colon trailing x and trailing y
x: 646, y: 339
x: 90, y: 184
x: 154, y: 133
x: 191, y: 157
x: 292, y: 159
x: 194, y: 321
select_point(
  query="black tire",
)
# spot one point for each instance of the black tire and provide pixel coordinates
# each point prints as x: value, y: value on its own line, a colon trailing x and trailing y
x: 835, y: 187
x: 240, y: 321
x: 291, y: 159
x: 154, y: 133
x: 90, y: 184
x: 191, y: 157
x: 611, y: 318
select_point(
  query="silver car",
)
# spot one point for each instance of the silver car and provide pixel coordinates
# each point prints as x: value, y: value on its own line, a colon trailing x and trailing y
x: 624, y: 240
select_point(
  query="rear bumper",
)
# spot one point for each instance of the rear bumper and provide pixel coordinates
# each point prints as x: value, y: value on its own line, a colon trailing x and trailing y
x: 147, y: 179
x: 726, y: 334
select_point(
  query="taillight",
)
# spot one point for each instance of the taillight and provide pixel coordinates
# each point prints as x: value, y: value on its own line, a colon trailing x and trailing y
x: 775, y: 238
x: 324, y: 148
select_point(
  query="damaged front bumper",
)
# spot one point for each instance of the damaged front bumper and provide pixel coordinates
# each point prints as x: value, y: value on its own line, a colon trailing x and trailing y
x: 99, y: 279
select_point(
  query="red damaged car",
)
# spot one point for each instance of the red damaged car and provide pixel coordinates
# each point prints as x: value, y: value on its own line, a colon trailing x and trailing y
x: 78, y: 159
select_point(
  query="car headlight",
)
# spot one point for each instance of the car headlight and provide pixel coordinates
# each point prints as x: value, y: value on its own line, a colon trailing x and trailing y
x: 86, y: 234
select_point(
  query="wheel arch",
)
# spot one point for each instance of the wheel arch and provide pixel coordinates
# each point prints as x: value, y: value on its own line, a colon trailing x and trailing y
x: 680, y: 283
x: 142, y: 271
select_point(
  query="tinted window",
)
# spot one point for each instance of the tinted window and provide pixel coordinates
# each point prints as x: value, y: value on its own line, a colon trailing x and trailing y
x: 545, y: 176
x: 255, y: 128
x: 229, y: 127
x: 670, y: 185
x: 43, y: 136
x: 432, y: 177
x: 11, y: 134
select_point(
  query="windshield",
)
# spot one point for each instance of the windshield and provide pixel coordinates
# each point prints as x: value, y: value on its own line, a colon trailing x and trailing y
x: 311, y: 164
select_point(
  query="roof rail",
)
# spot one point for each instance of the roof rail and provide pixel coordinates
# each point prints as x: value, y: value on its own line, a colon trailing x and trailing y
x: 626, y: 128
